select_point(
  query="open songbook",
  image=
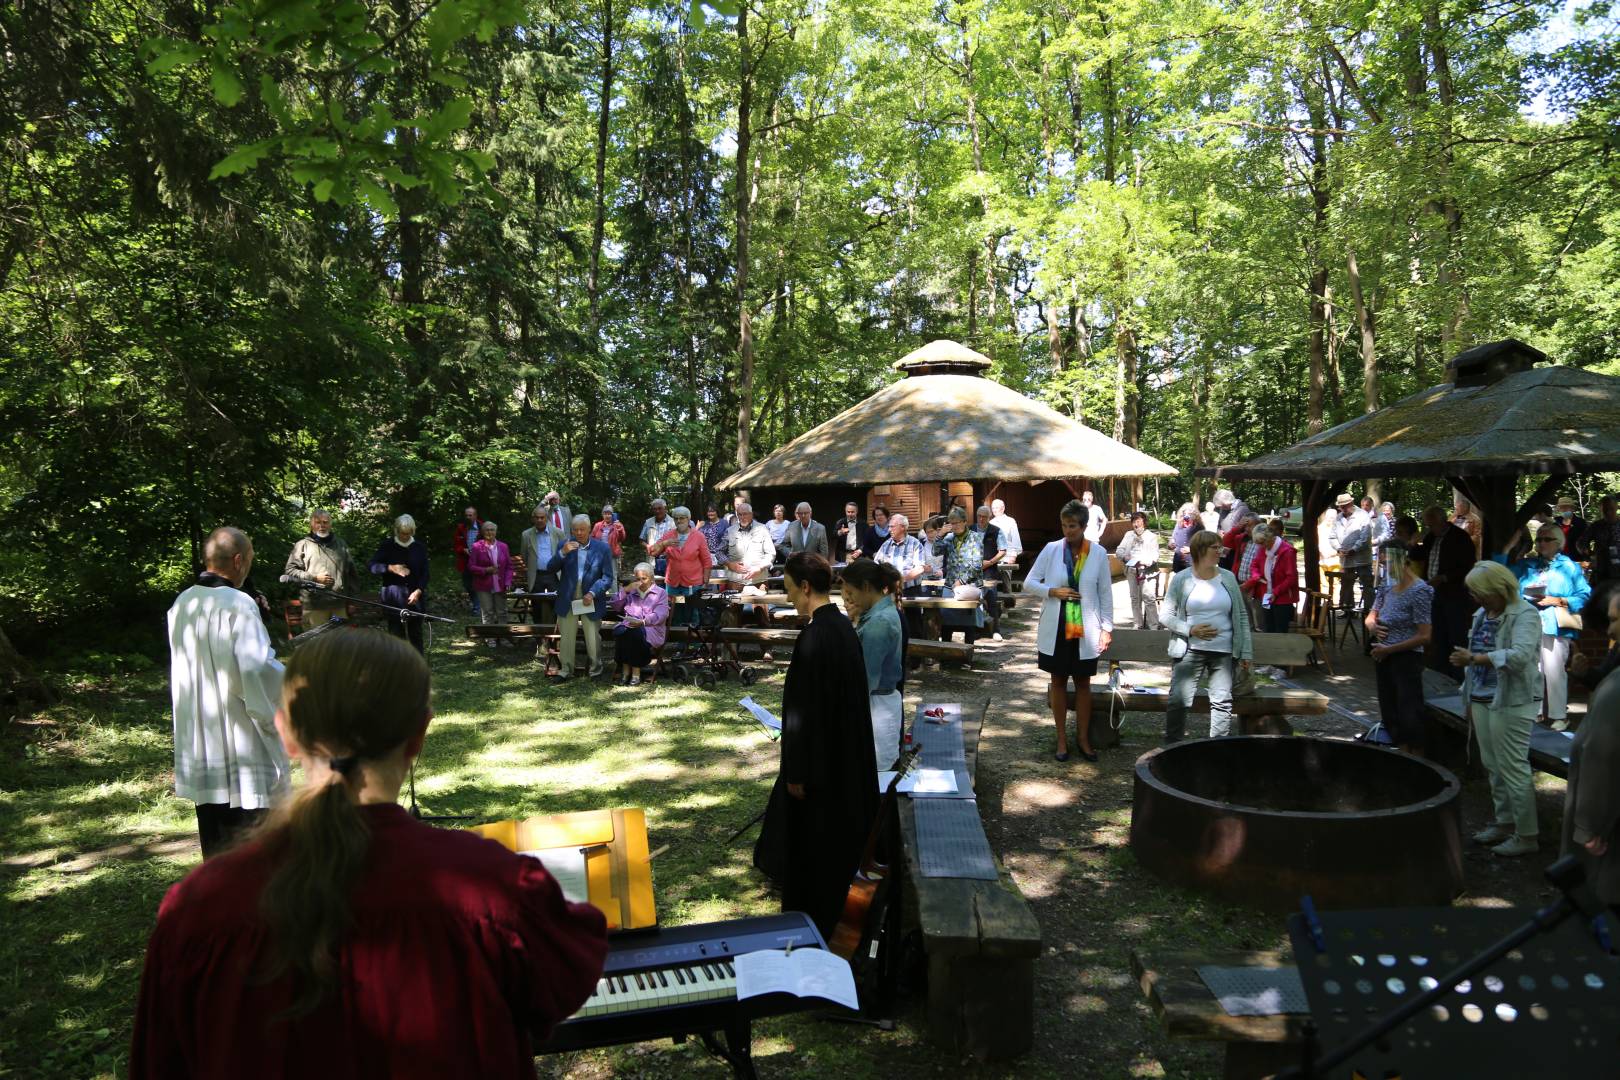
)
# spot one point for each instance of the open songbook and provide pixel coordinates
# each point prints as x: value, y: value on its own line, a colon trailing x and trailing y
x: 802, y: 973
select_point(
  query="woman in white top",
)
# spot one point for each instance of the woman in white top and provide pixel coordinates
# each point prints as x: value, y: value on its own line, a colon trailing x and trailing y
x: 1204, y: 609
x: 1077, y: 622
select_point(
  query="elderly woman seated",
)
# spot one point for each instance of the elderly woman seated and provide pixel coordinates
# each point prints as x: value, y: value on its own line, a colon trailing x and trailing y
x: 640, y: 633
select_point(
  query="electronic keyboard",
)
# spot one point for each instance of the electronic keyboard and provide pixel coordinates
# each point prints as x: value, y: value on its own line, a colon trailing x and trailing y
x: 678, y: 981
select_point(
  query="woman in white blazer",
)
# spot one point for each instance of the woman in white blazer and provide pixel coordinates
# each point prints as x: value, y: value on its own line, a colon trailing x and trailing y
x: 1077, y: 622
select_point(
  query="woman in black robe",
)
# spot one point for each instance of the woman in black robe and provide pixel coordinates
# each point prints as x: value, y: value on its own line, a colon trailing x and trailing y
x: 825, y: 799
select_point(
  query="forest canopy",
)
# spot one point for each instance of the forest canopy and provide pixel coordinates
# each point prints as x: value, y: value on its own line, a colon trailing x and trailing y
x: 399, y: 256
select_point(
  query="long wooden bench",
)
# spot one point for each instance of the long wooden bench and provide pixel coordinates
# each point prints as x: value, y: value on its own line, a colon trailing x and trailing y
x: 1443, y: 703
x: 775, y: 637
x: 980, y: 939
x: 1259, y: 703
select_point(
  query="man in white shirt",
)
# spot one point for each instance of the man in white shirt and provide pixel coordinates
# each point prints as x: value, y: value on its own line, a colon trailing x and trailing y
x: 655, y: 529
x: 847, y: 530
x: 1096, y: 518
x: 225, y: 682
x: 1009, y: 531
x: 749, y: 551
x: 1139, y: 551
x: 1352, y: 538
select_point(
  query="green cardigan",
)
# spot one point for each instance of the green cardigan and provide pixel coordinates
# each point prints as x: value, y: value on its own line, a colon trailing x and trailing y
x: 1174, y: 614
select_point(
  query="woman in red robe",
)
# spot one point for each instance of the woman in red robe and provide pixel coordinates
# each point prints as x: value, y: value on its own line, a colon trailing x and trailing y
x: 346, y: 938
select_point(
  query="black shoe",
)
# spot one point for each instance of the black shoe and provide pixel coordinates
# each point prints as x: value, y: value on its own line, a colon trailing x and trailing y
x: 1089, y: 755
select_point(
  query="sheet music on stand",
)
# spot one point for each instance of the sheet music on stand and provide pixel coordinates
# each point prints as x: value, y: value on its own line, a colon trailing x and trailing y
x: 768, y: 721
x: 1549, y: 1008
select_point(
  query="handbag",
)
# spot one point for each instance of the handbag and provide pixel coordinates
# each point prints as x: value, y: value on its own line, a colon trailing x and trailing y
x: 1177, y: 647
x: 1567, y: 619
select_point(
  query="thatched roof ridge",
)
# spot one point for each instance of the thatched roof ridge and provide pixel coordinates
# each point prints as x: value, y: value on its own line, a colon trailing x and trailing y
x: 1542, y: 420
x: 945, y: 427
x: 942, y: 352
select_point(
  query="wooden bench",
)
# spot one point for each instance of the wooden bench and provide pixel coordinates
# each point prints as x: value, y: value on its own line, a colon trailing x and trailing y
x: 1256, y: 1046
x: 980, y: 940
x: 1443, y: 703
x: 1262, y: 707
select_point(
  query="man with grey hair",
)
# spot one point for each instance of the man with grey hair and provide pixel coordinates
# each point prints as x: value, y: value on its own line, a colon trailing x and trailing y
x: 806, y: 535
x: 1012, y: 543
x: 318, y: 562
x: 1352, y: 537
x: 582, y: 566
x: 1096, y: 517
x: 225, y: 684
x: 1231, y: 509
x: 540, y: 542
x: 654, y: 529
x: 749, y: 551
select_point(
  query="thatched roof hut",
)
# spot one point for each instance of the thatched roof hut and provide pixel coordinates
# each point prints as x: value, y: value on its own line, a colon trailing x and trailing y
x: 944, y: 422
x: 1497, y: 415
x: 945, y: 434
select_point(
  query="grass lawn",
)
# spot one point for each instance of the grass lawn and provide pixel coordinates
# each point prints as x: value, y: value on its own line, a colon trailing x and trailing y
x: 91, y: 836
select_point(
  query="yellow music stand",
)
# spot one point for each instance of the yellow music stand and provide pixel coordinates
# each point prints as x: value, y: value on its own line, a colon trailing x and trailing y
x: 599, y: 856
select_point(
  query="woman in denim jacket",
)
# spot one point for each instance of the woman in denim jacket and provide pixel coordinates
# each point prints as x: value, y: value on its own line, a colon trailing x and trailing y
x: 1502, y: 692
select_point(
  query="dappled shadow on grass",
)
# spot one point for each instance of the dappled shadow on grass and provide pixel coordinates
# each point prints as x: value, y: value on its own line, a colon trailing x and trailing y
x: 70, y: 964
x: 505, y: 743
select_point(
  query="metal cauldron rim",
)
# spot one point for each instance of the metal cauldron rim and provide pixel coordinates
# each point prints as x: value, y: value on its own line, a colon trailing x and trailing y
x: 1452, y: 787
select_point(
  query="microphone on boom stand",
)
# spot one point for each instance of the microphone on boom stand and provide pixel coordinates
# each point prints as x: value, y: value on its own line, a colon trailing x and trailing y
x: 337, y: 621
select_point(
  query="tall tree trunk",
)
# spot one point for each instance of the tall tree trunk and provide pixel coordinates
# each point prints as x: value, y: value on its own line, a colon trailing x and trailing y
x: 593, y: 286
x: 1335, y: 387
x: 683, y: 286
x: 1364, y: 322
x: 1315, y: 246
x: 978, y: 173
x: 1452, y: 284
x: 745, y: 198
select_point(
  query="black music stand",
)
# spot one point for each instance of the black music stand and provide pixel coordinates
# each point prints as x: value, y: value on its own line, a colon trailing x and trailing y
x: 1444, y: 992
x: 338, y: 621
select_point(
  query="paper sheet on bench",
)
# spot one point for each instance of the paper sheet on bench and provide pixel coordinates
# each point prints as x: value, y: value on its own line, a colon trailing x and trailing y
x: 1256, y: 991
x: 922, y: 781
x: 567, y: 865
x: 802, y: 973
x: 762, y: 714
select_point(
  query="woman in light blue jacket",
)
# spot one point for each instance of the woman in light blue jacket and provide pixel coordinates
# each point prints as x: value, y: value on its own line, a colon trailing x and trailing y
x: 1205, y: 613
x: 1552, y: 581
x: 1502, y: 691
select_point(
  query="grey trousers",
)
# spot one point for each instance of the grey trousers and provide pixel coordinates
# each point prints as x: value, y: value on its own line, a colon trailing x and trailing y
x: 1185, y: 674
x: 1144, y: 604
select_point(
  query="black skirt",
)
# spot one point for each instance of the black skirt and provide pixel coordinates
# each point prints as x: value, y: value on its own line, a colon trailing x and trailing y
x: 1066, y: 659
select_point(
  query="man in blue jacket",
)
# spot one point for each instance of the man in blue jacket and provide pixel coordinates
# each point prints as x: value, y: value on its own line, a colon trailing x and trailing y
x: 584, y: 569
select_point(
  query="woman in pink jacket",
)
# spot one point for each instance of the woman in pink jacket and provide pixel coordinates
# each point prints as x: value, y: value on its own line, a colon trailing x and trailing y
x: 490, y: 564
x: 641, y: 633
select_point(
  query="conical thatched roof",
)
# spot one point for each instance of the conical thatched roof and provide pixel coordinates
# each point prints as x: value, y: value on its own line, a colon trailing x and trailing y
x: 1542, y: 420
x: 938, y: 427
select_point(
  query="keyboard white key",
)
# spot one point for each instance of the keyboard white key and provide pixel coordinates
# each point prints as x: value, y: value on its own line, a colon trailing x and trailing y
x: 661, y: 987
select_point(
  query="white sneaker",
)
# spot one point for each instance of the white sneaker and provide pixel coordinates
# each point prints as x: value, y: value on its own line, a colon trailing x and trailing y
x: 1516, y: 845
x: 1492, y: 834
x: 997, y: 637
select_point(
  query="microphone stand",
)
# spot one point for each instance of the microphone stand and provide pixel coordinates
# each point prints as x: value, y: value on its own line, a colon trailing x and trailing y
x: 337, y: 621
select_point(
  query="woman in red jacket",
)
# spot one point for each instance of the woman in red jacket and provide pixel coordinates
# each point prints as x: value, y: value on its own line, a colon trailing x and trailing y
x: 346, y: 938
x: 1274, y: 579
